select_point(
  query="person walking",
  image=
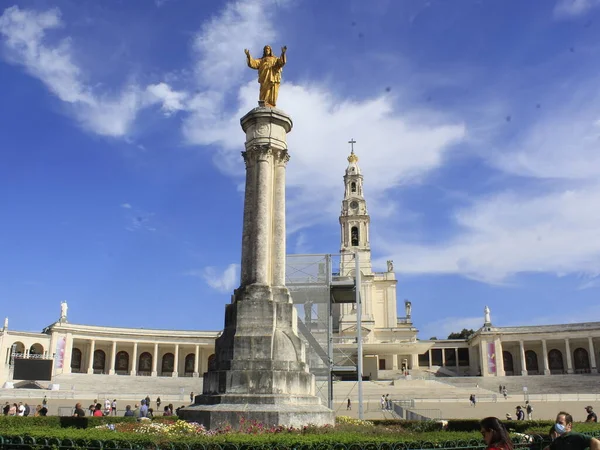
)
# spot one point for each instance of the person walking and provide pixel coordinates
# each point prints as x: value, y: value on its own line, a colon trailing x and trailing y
x: 504, y: 392
x: 349, y: 405
x: 520, y: 413
x: 529, y: 410
x: 591, y: 417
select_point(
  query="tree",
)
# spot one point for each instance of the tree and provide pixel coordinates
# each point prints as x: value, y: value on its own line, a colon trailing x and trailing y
x: 433, y: 338
x: 464, y: 334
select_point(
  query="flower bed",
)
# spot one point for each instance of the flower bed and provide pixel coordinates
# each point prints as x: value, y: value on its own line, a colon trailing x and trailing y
x: 347, y: 434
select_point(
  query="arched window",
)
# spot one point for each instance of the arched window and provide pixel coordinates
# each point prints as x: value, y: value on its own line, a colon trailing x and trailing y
x: 36, y: 349
x: 168, y: 363
x: 99, y: 360
x: 582, y: 360
x: 555, y: 361
x: 531, y: 361
x: 189, y: 363
x: 145, y: 362
x: 508, y: 361
x: 212, y: 362
x: 18, y: 347
x: 354, y: 236
x: 353, y: 187
x: 76, y: 360
x: 122, y: 361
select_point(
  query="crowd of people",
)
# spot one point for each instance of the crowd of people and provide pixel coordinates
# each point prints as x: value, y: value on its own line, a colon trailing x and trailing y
x: 143, y: 409
x: 24, y: 409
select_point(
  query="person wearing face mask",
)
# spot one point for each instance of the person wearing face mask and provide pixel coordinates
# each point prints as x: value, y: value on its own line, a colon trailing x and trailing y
x: 567, y: 439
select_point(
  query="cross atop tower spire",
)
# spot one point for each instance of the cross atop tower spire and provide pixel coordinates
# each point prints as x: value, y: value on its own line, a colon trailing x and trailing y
x: 352, y: 142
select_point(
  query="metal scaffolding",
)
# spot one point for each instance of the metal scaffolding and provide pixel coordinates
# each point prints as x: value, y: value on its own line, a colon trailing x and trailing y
x: 318, y: 291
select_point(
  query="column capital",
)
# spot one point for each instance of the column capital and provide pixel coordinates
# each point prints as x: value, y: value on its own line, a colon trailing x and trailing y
x: 282, y: 157
x: 256, y: 153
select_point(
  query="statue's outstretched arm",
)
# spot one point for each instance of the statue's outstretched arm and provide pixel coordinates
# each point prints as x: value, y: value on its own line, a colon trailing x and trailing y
x: 252, y: 63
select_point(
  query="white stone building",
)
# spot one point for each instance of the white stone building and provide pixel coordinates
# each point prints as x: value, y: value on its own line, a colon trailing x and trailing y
x: 389, y: 342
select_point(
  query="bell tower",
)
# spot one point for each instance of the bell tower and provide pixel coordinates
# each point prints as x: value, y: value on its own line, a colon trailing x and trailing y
x: 354, y: 220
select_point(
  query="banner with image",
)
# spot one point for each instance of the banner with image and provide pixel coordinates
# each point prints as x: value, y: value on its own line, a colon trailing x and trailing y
x: 491, y: 347
x: 60, y: 352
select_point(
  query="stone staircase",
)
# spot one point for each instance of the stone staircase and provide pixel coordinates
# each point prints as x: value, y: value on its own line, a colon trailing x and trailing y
x: 101, y: 386
x: 536, y: 384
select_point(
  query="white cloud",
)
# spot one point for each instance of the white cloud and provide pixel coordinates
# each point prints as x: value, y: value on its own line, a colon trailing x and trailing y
x: 125, y: 205
x: 509, y: 233
x: 225, y: 281
x: 26, y: 41
x: 219, y: 43
x: 393, y: 147
x: 172, y: 101
x: 573, y: 8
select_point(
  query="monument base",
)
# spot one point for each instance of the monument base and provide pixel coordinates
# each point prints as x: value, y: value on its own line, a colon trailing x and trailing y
x: 219, y: 411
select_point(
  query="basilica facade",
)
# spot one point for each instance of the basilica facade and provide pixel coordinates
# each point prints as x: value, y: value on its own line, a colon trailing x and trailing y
x: 390, y: 344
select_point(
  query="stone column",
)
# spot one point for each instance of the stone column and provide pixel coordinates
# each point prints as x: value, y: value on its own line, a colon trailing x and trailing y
x: 260, y: 367
x: 456, y: 358
x: 68, y: 353
x: 483, y: 357
x: 523, y: 362
x: 414, y: 361
x: 113, y: 358
x: 134, y: 360
x: 545, y: 352
x: 196, y: 361
x: 249, y: 211
x: 261, y: 236
x: 593, y: 367
x: 280, y: 161
x: 443, y: 357
x: 176, y: 362
x: 91, y: 356
x: 569, y: 359
x: 429, y: 352
x: 499, y: 359
x: 155, y: 361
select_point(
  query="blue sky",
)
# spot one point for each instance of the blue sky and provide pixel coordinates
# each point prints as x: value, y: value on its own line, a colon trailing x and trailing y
x: 477, y: 126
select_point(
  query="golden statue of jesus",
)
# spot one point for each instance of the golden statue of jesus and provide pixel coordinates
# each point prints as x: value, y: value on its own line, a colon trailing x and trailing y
x: 269, y: 73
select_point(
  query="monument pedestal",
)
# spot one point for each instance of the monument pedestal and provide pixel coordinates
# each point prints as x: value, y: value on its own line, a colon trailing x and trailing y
x: 259, y: 370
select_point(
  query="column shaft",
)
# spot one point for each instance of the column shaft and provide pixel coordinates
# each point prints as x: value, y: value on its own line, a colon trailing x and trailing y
x: 91, y: 356
x: 545, y: 352
x: 592, y: 355
x: 176, y: 361
x: 196, y: 360
x: 569, y: 359
x: 113, y: 358
x: 443, y: 357
x: 68, y: 354
x: 499, y: 359
x: 279, y: 219
x: 456, y: 362
x: 134, y: 360
x: 483, y: 357
x: 262, y: 235
x: 429, y: 351
x: 249, y: 211
x: 155, y: 361
x: 523, y: 362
